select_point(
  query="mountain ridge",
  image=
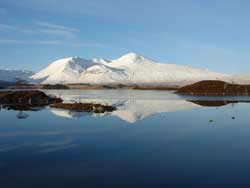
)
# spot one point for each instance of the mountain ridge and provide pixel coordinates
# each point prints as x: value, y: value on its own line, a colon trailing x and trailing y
x: 9, y: 75
x: 129, y: 69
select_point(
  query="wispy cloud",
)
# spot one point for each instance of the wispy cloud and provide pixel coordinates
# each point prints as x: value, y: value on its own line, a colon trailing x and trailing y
x: 57, y: 32
x: 43, y: 28
x: 60, y: 32
x: 50, y: 42
x: 55, y: 29
x: 56, y: 26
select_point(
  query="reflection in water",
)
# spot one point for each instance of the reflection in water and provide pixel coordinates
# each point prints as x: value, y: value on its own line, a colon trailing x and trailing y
x: 215, y: 103
x: 22, y: 109
x: 130, y: 106
x: 102, y: 152
x: 130, y: 110
x: 22, y: 115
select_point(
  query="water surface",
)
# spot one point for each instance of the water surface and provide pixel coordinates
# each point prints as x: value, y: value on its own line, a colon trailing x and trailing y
x: 153, y: 139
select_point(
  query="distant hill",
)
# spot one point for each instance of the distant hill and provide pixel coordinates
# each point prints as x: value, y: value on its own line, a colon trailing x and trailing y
x: 13, y: 76
x: 215, y: 88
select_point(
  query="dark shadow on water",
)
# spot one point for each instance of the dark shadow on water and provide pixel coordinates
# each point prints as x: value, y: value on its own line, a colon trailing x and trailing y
x: 215, y: 103
x: 19, y: 107
x: 22, y: 109
x: 22, y: 115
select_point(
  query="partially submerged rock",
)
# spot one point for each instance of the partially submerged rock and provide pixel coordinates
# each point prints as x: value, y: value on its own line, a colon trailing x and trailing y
x: 86, y: 107
x: 215, y: 88
x: 28, y: 98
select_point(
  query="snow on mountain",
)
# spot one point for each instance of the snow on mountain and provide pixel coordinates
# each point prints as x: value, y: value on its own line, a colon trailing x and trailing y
x: 66, y: 70
x: 146, y: 71
x: 99, y: 60
x: 238, y: 79
x: 128, y: 69
x: 8, y: 75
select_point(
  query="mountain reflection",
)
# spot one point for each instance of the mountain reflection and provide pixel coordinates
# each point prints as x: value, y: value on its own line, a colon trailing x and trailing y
x: 130, y: 105
x: 22, y: 115
x: 130, y: 111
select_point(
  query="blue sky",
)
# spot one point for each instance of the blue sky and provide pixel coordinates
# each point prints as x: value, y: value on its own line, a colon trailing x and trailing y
x: 212, y: 34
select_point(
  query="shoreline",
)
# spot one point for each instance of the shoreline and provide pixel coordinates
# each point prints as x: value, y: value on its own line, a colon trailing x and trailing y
x: 89, y: 87
x: 201, y: 88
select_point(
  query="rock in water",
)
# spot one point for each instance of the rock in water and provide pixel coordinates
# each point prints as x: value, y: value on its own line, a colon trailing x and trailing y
x: 31, y: 98
x: 86, y: 107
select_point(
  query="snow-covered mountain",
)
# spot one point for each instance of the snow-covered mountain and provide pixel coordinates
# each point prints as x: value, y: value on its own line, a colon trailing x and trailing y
x: 130, y: 69
x: 15, y: 75
x: 66, y: 70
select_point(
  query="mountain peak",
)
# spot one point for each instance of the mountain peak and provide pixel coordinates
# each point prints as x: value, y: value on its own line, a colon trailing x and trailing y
x: 66, y: 69
x: 130, y: 58
x: 130, y: 55
x: 76, y: 58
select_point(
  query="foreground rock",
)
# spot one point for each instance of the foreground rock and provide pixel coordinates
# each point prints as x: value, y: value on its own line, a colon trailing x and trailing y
x: 215, y: 88
x: 27, y: 98
x: 86, y: 107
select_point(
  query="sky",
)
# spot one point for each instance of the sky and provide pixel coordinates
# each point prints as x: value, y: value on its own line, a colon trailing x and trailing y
x: 208, y: 34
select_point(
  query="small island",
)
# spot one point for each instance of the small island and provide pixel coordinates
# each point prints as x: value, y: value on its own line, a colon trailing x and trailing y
x: 215, y: 88
x: 26, y: 100
x: 84, y: 107
x: 34, y: 100
x: 56, y: 86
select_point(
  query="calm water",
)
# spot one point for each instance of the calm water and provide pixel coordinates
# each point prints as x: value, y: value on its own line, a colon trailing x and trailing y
x: 153, y: 139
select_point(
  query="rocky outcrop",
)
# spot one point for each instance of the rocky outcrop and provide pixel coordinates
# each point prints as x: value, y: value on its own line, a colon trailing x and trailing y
x: 86, y: 107
x: 28, y: 98
x: 215, y: 88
